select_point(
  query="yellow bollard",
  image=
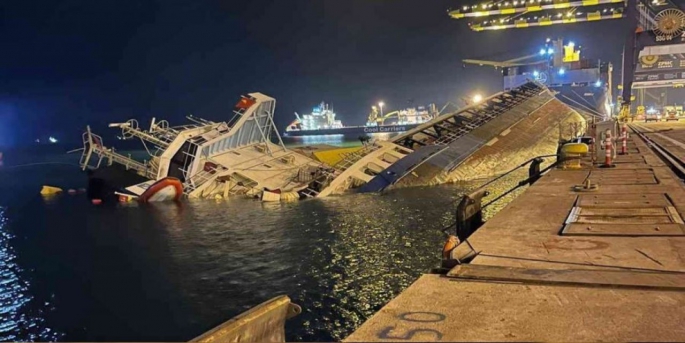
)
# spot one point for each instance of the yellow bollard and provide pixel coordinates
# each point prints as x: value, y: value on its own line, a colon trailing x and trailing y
x: 571, y: 154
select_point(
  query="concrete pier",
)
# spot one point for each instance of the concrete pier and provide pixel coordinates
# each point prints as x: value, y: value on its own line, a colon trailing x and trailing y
x: 559, y: 264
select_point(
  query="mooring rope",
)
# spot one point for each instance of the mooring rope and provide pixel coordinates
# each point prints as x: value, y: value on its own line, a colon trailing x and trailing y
x: 37, y: 164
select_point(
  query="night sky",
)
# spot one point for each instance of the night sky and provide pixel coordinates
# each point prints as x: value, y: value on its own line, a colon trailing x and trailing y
x: 65, y: 64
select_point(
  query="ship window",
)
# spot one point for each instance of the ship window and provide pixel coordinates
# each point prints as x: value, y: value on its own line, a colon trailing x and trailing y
x: 370, y: 172
x: 388, y: 158
x: 401, y: 151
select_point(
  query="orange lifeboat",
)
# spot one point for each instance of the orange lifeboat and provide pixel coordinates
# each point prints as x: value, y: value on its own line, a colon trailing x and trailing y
x: 166, y: 189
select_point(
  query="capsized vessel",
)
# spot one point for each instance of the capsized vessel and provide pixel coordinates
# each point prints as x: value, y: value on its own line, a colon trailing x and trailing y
x: 242, y: 156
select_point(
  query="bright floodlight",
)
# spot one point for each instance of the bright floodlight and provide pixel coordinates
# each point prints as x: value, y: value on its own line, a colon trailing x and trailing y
x: 381, y: 104
x: 598, y: 83
x: 562, y: 71
x: 542, y: 51
x: 571, y: 44
x: 550, y: 51
x: 52, y: 139
x: 536, y: 73
x: 477, y: 98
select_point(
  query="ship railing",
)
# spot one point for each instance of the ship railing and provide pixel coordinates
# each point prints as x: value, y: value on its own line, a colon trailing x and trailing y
x: 130, y: 129
x: 351, y: 158
x: 482, y: 115
x: 93, y: 146
x: 210, y: 169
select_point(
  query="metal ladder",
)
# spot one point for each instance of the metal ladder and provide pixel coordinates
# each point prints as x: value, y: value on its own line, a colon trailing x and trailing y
x: 200, y: 178
x: 196, y: 181
x: 312, y: 193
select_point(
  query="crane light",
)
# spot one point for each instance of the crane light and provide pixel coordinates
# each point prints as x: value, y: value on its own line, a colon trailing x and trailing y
x: 542, y: 51
x: 550, y: 51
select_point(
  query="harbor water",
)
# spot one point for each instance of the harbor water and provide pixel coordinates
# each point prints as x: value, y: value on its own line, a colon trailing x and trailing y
x: 72, y: 271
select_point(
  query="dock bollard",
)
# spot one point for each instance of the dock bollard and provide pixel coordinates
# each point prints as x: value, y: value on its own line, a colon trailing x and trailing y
x: 608, y: 151
x: 450, y: 244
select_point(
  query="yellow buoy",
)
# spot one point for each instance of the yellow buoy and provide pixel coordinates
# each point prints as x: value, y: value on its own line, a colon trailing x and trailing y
x: 49, y: 190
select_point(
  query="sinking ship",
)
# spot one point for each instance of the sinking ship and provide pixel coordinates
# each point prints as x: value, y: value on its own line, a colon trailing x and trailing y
x: 245, y: 156
x: 241, y: 156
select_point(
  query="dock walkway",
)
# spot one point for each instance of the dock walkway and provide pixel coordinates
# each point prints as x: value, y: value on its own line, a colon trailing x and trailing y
x: 562, y: 265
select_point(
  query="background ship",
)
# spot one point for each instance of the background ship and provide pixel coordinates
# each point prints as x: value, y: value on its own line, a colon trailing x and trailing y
x: 322, y: 121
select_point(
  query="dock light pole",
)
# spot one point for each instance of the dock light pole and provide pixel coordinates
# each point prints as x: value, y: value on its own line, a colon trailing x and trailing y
x: 380, y: 105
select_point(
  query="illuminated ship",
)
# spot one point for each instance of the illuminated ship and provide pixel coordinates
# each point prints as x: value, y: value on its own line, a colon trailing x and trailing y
x: 322, y: 121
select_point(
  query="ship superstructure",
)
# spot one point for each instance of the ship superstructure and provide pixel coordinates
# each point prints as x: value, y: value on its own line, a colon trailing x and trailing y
x: 407, y: 116
x: 321, y: 118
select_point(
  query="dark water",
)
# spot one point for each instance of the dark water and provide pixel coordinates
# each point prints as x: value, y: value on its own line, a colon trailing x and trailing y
x: 72, y: 271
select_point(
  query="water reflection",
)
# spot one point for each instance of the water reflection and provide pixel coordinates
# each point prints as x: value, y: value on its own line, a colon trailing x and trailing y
x: 168, y: 272
x: 340, y: 258
x: 21, y: 319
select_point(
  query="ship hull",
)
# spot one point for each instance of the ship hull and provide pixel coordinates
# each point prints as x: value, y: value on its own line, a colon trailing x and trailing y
x: 104, y: 182
x: 353, y: 130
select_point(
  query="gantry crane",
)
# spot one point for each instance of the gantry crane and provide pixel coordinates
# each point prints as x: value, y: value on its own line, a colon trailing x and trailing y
x: 650, y: 23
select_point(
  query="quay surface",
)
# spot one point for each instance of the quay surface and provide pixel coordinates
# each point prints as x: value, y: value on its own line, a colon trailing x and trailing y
x: 563, y: 265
